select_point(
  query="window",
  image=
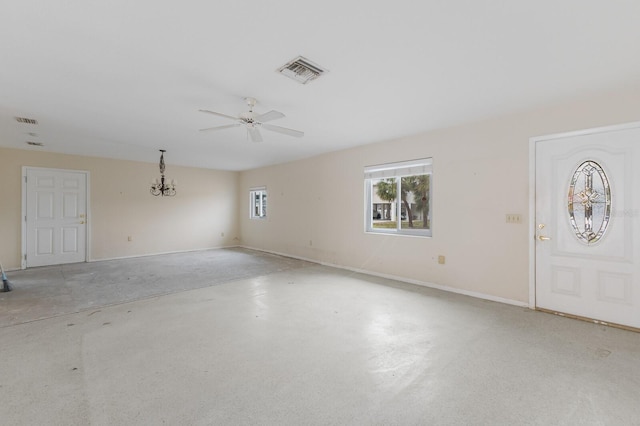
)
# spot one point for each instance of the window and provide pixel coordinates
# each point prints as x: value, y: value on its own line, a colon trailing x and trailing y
x: 398, y: 197
x: 258, y: 203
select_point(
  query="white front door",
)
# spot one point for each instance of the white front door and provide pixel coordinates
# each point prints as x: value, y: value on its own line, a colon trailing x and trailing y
x: 587, y: 224
x: 56, y: 216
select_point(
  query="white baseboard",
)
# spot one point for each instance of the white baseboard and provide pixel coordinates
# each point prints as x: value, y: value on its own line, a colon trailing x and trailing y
x: 449, y: 289
x: 160, y: 253
x: 475, y: 294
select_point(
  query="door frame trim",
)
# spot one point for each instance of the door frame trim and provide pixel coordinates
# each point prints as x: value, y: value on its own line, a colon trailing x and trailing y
x: 532, y: 190
x: 23, y: 220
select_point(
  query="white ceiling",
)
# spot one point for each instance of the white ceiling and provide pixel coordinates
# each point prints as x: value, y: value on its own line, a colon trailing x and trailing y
x: 122, y: 79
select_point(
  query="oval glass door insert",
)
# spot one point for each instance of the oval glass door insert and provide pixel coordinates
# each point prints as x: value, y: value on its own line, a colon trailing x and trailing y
x: 589, y: 202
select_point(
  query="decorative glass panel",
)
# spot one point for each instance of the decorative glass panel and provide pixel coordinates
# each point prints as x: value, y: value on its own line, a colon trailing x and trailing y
x: 589, y: 202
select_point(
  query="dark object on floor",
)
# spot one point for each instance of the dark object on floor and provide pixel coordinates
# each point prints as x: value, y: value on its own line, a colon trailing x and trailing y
x: 6, y: 285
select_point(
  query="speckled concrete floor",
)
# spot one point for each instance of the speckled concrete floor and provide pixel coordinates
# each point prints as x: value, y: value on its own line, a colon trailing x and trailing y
x: 315, y: 345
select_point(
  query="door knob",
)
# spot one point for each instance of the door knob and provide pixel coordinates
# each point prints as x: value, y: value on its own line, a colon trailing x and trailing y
x: 542, y: 237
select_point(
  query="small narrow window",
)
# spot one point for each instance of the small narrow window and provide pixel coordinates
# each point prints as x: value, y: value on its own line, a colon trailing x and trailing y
x: 398, y: 197
x: 258, y: 203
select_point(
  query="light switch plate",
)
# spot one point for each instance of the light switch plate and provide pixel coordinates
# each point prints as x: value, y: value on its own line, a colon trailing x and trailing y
x: 514, y: 218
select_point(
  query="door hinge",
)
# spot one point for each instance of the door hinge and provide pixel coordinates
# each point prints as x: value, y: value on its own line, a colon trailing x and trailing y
x: 25, y: 179
x: 25, y: 257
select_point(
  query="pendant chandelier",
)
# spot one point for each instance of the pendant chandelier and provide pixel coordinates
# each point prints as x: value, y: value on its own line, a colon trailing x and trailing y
x: 163, y: 186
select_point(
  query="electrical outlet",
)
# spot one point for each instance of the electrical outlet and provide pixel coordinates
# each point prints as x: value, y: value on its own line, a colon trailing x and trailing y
x: 513, y: 218
x: 441, y: 260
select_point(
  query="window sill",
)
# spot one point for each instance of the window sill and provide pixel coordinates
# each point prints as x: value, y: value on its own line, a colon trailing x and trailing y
x: 421, y: 234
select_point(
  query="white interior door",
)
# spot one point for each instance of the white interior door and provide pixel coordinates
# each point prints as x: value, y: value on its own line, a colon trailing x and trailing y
x: 56, y: 216
x: 587, y: 219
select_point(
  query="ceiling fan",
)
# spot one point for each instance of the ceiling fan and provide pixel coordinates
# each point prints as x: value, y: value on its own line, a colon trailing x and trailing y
x: 253, y: 122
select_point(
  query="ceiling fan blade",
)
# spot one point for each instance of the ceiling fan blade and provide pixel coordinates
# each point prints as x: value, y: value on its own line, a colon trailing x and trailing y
x: 268, y: 116
x: 218, y: 114
x: 220, y: 127
x: 283, y: 130
x: 254, y: 133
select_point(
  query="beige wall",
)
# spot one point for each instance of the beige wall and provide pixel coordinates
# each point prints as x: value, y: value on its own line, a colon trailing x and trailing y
x: 481, y: 173
x: 316, y: 206
x: 120, y: 205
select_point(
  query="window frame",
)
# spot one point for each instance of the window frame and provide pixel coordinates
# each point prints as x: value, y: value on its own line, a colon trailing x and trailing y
x: 261, y: 192
x: 397, y: 170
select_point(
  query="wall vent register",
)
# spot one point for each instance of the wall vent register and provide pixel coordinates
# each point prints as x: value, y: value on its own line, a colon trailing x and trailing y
x: 301, y: 70
x: 25, y: 120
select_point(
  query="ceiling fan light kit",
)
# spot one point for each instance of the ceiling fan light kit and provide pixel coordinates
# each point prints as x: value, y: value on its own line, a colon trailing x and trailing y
x: 253, y: 122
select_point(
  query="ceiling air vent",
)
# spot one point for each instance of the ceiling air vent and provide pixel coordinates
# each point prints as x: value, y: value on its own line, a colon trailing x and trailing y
x: 302, y: 70
x: 35, y: 143
x: 26, y: 120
